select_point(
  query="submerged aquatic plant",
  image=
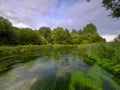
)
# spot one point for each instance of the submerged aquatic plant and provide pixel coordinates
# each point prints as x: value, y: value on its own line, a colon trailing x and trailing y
x: 79, y: 81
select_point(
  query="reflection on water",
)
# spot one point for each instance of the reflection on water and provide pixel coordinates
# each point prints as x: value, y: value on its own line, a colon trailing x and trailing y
x: 49, y: 73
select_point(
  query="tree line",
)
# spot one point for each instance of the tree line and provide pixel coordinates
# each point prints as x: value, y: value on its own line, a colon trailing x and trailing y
x: 11, y: 35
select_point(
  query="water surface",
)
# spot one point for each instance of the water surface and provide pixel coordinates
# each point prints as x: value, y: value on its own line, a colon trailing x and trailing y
x: 64, y: 72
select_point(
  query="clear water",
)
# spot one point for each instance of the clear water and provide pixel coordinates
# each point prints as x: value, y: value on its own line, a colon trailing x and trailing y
x: 64, y: 73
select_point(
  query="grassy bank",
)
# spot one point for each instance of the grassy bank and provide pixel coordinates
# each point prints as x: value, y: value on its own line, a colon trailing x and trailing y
x: 10, y: 55
x: 108, y: 56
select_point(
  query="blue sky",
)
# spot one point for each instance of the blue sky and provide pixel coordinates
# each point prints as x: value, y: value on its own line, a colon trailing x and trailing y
x: 70, y: 14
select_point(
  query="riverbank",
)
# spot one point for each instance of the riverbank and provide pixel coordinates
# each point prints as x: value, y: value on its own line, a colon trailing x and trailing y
x: 108, y: 56
x: 9, y: 55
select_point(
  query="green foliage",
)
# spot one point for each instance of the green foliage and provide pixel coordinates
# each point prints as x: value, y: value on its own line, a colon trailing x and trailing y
x: 67, y: 36
x: 87, y: 35
x: 88, y: 60
x: 10, y: 35
x: 117, y: 39
x: 90, y: 29
x: 98, y: 75
x: 11, y: 55
x: 92, y: 79
x: 28, y: 36
x: 46, y: 32
x: 60, y: 36
x: 113, y: 6
x: 73, y: 31
x: 116, y: 69
x: 107, y: 55
x: 80, y: 32
x: 7, y: 34
x: 74, y: 39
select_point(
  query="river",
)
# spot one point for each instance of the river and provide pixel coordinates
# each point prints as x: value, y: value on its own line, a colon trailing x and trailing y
x: 65, y: 72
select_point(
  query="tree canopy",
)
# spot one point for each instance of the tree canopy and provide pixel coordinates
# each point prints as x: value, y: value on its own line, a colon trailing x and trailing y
x: 10, y: 35
x: 46, y: 32
x: 60, y: 36
x: 90, y: 28
x: 117, y: 39
x: 7, y: 34
x: 113, y: 6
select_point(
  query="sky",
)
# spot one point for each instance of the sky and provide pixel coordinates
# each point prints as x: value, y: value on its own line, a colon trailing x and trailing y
x: 70, y: 14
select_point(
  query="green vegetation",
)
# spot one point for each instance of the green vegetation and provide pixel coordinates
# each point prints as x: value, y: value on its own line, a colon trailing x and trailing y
x: 93, y: 79
x: 105, y: 54
x: 10, y: 35
x: 108, y: 56
x: 113, y: 6
x: 46, y: 33
x: 117, y: 39
x: 97, y: 74
x: 9, y: 54
x: 80, y: 82
x: 58, y: 83
x: 24, y: 44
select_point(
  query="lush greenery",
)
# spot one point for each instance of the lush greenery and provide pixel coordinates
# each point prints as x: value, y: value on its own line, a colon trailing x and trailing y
x: 117, y: 39
x: 108, y: 56
x: 46, y: 42
x: 10, y: 54
x: 105, y: 54
x: 10, y: 35
x: 114, y: 6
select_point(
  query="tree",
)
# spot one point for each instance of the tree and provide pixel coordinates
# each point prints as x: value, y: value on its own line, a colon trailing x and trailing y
x: 67, y: 36
x: 60, y: 36
x: 74, y: 31
x: 90, y: 29
x: 46, y: 32
x: 10, y: 35
x: 74, y: 38
x: 117, y: 39
x: 17, y: 36
x: 114, y: 6
x: 28, y: 36
x: 7, y: 35
x: 57, y: 35
x: 80, y: 32
x: 89, y: 35
x: 83, y: 39
x: 96, y: 38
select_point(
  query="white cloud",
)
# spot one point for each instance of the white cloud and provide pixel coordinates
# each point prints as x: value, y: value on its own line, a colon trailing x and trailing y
x: 75, y: 14
x: 82, y: 13
x: 109, y: 37
x: 28, y: 12
x: 21, y: 25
